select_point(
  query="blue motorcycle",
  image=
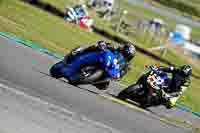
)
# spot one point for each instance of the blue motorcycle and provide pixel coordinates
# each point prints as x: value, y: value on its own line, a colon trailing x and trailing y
x: 95, y: 67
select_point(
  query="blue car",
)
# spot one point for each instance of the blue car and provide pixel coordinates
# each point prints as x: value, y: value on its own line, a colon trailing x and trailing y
x: 96, y: 67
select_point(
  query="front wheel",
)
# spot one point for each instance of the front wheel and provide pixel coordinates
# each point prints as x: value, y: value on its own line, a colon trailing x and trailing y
x: 133, y: 92
x: 123, y: 95
x: 55, y: 70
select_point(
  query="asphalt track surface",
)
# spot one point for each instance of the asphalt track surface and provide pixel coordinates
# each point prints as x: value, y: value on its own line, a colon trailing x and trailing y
x: 23, y: 113
x: 27, y: 71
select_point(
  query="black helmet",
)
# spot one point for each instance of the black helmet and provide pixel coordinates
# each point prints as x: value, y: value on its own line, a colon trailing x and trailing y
x: 128, y: 51
x: 186, y: 70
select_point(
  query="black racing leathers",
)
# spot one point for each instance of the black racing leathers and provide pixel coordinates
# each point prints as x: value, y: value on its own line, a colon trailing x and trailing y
x: 177, y: 85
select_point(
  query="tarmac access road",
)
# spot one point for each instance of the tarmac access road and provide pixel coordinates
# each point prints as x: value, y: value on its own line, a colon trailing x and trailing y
x: 167, y: 13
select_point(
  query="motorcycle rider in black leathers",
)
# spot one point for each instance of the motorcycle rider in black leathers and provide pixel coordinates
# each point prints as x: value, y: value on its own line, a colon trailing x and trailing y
x: 179, y: 83
x: 127, y: 50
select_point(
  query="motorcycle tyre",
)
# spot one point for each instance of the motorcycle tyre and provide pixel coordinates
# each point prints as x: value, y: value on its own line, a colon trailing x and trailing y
x: 102, y: 86
x: 125, y: 94
x: 88, y: 80
x: 55, y: 70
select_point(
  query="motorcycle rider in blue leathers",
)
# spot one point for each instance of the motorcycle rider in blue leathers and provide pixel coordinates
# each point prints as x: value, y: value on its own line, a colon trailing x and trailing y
x: 112, y: 58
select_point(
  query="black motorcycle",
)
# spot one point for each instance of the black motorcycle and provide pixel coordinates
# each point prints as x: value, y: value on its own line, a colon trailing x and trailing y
x: 148, y: 90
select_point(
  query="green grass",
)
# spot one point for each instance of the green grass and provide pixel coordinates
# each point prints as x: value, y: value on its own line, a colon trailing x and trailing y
x: 27, y: 22
x: 191, y: 97
x: 133, y: 15
x: 39, y: 26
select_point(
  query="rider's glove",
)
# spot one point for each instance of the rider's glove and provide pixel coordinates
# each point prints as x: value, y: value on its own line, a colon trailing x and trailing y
x: 171, y: 102
x: 165, y: 95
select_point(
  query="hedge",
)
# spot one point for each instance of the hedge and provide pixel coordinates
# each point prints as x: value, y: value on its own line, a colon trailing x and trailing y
x: 181, y: 6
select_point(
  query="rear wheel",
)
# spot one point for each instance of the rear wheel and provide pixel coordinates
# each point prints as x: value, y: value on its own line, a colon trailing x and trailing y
x: 94, y: 76
x: 102, y: 86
